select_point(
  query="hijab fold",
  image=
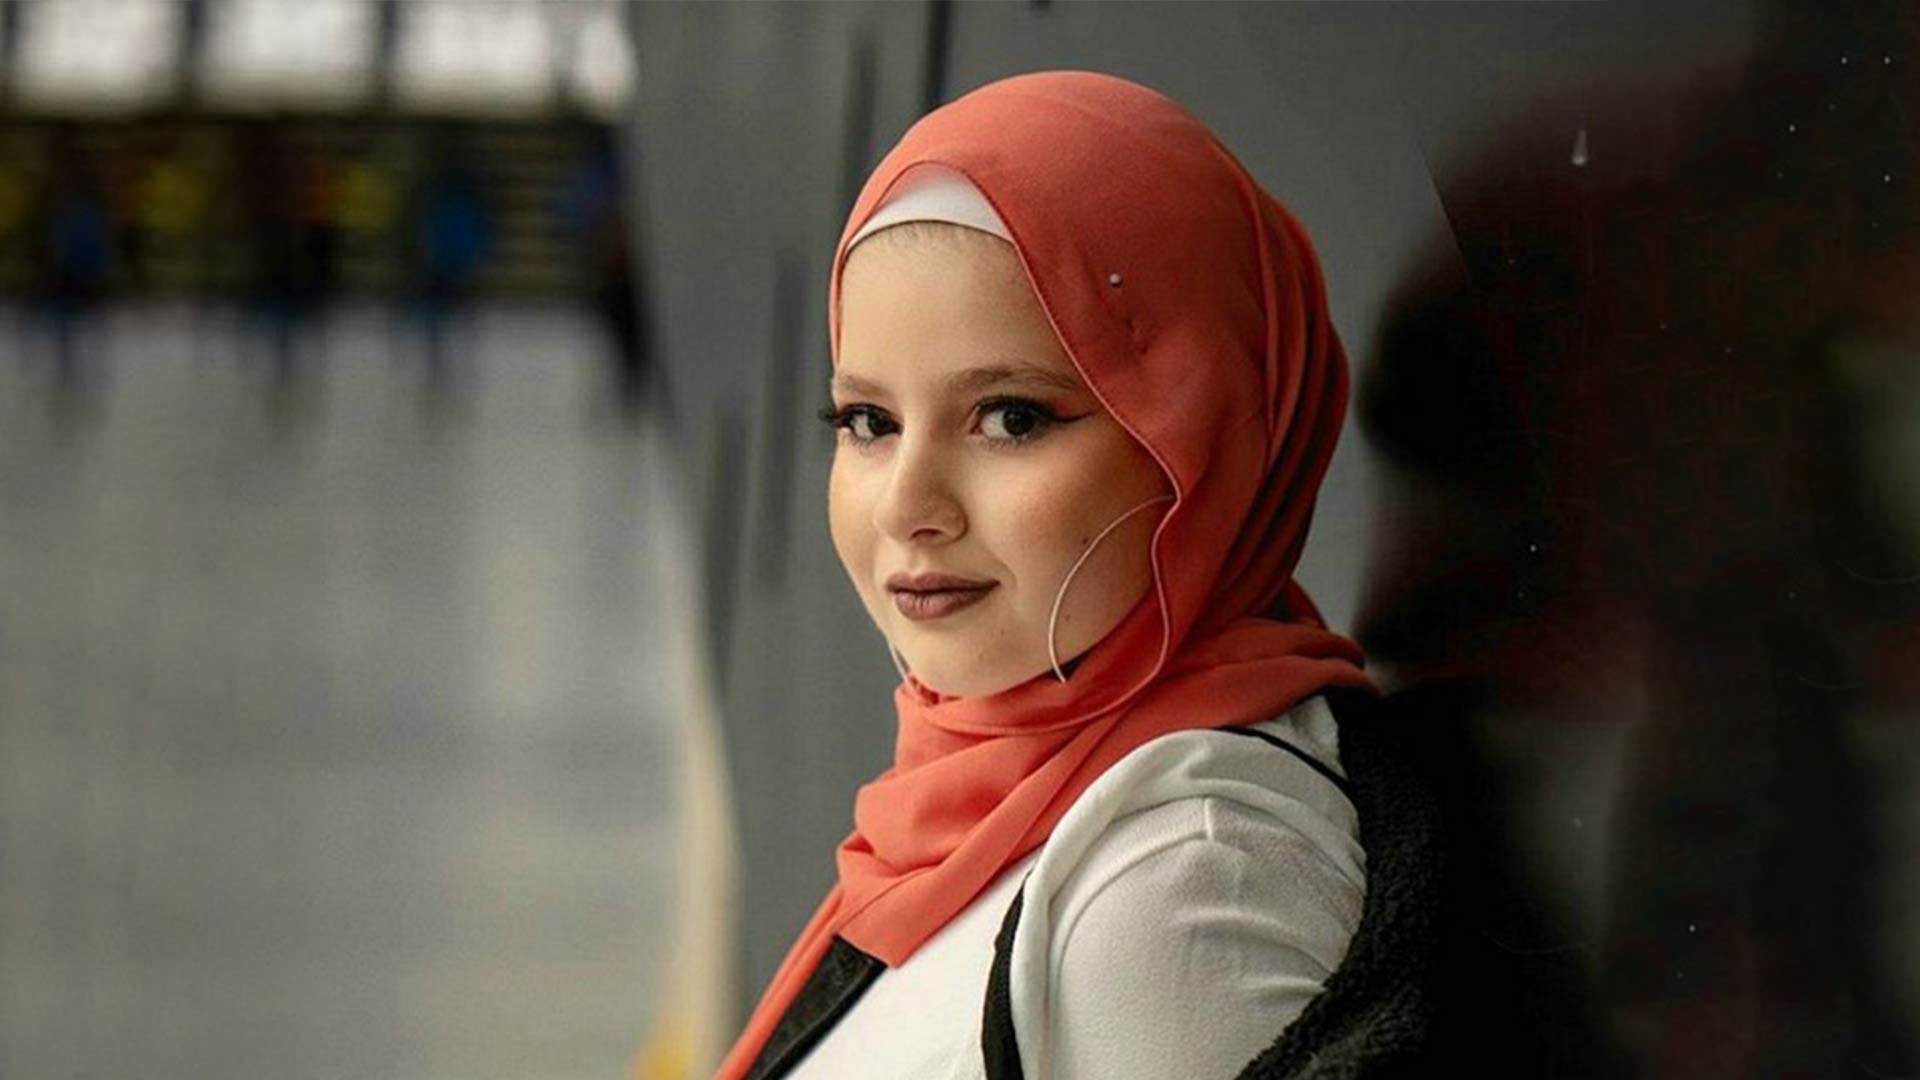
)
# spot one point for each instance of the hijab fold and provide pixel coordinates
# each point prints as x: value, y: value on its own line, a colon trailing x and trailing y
x: 1191, y: 303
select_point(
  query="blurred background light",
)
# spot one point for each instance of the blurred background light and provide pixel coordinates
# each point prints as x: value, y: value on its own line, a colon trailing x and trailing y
x: 96, y: 55
x: 276, y: 54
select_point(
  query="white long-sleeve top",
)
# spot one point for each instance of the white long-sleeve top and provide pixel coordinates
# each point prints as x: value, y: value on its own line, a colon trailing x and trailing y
x: 1182, y: 913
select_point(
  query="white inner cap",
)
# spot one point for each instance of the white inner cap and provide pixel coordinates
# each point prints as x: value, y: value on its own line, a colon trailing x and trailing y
x: 934, y: 192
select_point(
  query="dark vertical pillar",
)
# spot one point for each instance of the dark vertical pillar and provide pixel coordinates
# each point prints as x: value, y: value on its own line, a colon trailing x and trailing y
x: 193, y: 17
x: 9, y: 49
x: 939, y: 33
x: 386, y: 44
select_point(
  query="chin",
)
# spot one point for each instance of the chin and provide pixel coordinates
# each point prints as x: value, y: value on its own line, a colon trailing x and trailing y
x: 967, y: 680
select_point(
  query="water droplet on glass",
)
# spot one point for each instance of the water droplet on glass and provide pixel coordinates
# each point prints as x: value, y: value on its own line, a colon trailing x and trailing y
x: 1580, y: 148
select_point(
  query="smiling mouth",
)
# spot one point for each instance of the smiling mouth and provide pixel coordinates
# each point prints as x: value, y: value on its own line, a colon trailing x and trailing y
x: 920, y: 605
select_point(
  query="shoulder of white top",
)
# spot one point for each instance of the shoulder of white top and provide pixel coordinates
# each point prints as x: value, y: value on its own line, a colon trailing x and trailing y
x: 1310, y: 728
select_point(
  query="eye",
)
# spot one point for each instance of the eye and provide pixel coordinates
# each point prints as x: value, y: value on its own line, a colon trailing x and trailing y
x: 1014, y: 420
x: 862, y: 424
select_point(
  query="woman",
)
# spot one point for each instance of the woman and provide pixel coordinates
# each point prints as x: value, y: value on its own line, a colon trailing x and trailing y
x: 1085, y: 387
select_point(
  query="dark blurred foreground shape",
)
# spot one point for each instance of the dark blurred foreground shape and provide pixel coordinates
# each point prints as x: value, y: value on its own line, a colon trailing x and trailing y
x: 1656, y: 440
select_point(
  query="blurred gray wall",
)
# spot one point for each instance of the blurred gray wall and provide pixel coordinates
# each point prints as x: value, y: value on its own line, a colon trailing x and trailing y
x: 750, y: 121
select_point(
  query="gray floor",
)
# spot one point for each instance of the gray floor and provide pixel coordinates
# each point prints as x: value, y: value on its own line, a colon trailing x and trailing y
x: 332, y: 740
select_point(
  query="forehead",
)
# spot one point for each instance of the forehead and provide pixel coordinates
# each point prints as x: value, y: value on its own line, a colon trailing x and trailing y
x: 928, y: 302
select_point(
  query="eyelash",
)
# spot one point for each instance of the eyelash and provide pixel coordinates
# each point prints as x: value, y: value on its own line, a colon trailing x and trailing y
x: 842, y: 419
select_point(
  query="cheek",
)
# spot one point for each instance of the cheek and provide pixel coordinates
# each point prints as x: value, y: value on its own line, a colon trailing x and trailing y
x: 1039, y: 520
x: 850, y: 521
x: 1045, y: 517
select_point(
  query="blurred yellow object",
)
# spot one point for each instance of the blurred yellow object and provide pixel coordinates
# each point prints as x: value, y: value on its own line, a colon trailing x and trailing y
x: 667, y: 1053
x: 16, y: 199
x: 368, y: 199
x: 695, y: 1021
x: 173, y: 198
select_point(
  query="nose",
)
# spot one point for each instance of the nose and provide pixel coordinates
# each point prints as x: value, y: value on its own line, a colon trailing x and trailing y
x: 919, y: 504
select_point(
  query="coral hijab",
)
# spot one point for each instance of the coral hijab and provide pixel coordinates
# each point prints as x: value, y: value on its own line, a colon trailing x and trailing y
x: 1192, y: 305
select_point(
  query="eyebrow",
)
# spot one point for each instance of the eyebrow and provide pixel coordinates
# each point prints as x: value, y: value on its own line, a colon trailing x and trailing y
x: 977, y: 378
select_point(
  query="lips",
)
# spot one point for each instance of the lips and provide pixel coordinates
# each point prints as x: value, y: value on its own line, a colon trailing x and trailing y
x: 931, y: 596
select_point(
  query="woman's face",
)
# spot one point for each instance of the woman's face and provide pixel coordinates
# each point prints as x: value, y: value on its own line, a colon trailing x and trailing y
x: 974, y: 466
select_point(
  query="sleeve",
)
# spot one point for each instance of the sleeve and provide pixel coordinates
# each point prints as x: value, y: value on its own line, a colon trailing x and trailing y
x: 1192, y: 935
